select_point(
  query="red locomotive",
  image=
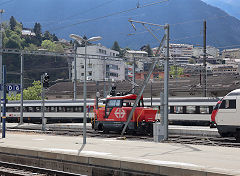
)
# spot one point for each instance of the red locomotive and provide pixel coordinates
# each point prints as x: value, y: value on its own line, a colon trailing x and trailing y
x: 113, y: 116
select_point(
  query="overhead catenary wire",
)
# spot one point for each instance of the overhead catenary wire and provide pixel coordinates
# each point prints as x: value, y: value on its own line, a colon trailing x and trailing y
x: 81, y: 13
x: 109, y: 15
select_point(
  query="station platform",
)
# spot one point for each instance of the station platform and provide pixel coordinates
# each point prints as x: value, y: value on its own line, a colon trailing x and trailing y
x: 105, y: 156
x: 173, y: 129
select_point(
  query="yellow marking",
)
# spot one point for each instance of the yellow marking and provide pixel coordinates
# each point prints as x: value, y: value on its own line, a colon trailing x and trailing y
x: 4, y: 117
x: 139, y: 117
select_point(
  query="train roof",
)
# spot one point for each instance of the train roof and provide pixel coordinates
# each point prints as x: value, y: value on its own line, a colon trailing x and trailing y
x: 235, y: 92
x: 51, y: 102
x: 127, y: 97
x: 173, y: 101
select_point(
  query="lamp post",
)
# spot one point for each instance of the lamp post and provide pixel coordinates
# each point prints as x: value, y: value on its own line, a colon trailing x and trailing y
x: 1, y: 39
x: 79, y: 39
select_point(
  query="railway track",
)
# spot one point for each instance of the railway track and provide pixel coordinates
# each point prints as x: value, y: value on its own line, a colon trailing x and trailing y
x: 183, y: 139
x: 11, y: 169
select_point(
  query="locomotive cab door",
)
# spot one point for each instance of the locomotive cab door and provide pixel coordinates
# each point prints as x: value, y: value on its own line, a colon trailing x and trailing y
x: 111, y: 103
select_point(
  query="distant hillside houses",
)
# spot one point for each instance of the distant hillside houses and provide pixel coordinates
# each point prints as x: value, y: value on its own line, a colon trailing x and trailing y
x: 29, y: 32
x: 109, y: 66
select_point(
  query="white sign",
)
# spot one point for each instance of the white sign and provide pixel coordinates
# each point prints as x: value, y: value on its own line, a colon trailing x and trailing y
x: 119, y: 113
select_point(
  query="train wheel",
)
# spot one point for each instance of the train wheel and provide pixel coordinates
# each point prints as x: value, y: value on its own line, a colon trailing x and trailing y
x: 105, y: 131
x: 237, y: 135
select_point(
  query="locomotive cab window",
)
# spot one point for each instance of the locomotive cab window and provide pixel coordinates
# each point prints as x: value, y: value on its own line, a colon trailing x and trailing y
x: 113, y: 103
x: 228, y: 104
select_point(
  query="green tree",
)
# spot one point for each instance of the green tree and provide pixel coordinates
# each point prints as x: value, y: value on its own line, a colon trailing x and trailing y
x: 38, y: 31
x: 52, y: 46
x: 123, y: 51
x: 12, y: 23
x: 176, y: 71
x: 31, y: 93
x: 31, y: 47
x: 191, y: 61
x: 14, y: 41
x: 149, y: 50
x: 55, y: 38
x: 116, y: 47
x: 47, y: 36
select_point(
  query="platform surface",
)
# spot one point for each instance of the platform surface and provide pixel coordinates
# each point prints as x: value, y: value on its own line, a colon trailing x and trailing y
x: 173, y: 129
x: 224, y: 160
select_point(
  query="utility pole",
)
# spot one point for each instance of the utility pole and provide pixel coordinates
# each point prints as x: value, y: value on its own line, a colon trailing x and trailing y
x: 166, y: 78
x: 22, y: 76
x: 1, y: 11
x: 4, y: 102
x: 75, y: 73
x: 134, y: 79
x: 204, y: 58
x: 166, y: 36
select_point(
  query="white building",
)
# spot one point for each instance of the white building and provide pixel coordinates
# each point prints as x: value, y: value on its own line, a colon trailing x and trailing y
x: 181, y: 53
x: 212, y: 51
x: 107, y: 66
x: 231, y: 53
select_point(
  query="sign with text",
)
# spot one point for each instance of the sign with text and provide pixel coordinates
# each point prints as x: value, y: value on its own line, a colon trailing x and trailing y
x: 13, y: 87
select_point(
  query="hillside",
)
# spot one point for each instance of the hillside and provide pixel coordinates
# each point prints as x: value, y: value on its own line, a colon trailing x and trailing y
x: 65, y: 17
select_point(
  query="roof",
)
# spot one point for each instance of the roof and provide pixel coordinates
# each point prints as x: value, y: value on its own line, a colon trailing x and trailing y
x: 136, y: 52
x: 127, y: 97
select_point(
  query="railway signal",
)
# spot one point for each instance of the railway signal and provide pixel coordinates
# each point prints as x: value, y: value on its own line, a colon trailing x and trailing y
x: 46, y: 80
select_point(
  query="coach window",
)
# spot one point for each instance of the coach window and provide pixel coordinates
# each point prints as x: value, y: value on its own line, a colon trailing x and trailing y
x: 184, y: 109
x: 24, y: 109
x: 197, y: 110
x: 30, y: 109
x: 204, y: 110
x: 178, y: 109
x: 191, y: 109
x: 171, y: 109
x: 210, y: 109
x: 38, y: 109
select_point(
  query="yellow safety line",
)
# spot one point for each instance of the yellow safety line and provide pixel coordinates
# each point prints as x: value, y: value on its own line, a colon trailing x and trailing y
x: 139, y: 116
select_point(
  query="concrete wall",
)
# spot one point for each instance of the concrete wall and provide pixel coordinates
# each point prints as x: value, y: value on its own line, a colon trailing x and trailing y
x: 91, y: 166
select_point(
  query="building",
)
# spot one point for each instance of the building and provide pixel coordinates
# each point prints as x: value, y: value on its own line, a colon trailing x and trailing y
x: 102, y: 64
x: 224, y: 69
x: 179, y: 53
x: 135, y: 54
x: 211, y: 51
x: 28, y: 32
x: 231, y: 53
x: 140, y: 57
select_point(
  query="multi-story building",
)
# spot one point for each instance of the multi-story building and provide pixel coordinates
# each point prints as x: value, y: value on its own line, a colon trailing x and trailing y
x: 211, y: 51
x: 140, y: 57
x: 180, y: 53
x: 135, y: 54
x: 106, y: 66
x: 231, y: 53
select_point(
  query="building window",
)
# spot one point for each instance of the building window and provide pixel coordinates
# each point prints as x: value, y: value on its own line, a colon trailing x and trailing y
x: 82, y: 74
x: 82, y: 66
x: 89, y: 65
x: 90, y: 73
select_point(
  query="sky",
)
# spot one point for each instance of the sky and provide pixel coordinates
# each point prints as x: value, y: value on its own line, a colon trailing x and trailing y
x: 230, y: 6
